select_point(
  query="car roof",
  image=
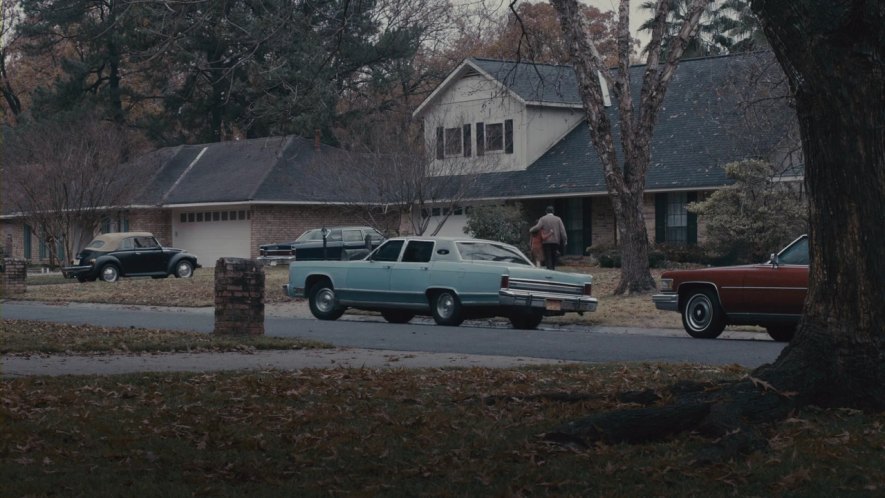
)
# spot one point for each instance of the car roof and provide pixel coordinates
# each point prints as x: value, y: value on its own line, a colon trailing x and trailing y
x: 112, y: 240
x: 350, y: 227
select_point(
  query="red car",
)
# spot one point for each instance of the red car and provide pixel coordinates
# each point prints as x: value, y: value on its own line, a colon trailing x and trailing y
x: 770, y: 295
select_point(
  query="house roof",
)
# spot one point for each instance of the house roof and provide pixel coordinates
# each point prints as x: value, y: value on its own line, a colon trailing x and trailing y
x: 275, y: 169
x: 702, y: 125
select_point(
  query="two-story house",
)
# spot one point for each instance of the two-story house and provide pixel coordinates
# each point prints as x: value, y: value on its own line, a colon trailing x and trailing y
x: 520, y: 127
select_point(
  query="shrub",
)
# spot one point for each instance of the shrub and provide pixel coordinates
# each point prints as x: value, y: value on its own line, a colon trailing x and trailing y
x: 502, y: 223
x: 755, y: 217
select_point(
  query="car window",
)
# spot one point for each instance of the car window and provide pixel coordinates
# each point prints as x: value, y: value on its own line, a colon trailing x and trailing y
x: 315, y: 234
x: 418, y: 251
x: 95, y: 244
x: 333, y: 235
x: 389, y: 251
x: 127, y: 244
x: 353, y: 236
x: 375, y: 235
x: 796, y: 254
x: 484, y: 251
x: 146, y: 243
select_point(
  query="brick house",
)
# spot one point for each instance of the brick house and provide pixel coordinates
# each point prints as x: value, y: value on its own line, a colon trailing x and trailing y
x: 222, y: 199
x: 523, y: 128
x: 529, y: 120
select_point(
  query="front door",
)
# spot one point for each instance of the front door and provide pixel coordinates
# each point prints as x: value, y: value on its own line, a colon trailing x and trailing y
x: 368, y: 281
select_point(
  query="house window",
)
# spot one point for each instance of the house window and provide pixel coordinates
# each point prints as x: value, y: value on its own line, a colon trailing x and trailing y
x: 673, y: 223
x: 453, y: 142
x: 677, y: 219
x: 495, y: 137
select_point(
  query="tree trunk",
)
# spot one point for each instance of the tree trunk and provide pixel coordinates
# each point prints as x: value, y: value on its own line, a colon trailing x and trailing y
x: 633, y: 239
x: 834, y: 58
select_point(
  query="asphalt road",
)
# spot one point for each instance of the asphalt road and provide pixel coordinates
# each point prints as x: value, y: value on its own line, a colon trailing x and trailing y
x: 570, y: 343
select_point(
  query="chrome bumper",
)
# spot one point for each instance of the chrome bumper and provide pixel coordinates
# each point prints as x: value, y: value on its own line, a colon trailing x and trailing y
x: 666, y: 302
x: 547, y: 301
x: 275, y: 260
x: 74, y: 271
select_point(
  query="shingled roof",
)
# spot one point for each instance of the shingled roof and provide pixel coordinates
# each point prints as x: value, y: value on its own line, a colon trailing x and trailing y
x: 257, y: 170
x: 702, y: 125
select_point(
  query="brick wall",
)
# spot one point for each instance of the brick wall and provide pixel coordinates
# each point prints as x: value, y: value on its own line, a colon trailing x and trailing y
x: 156, y: 221
x: 239, y: 297
x: 603, y: 222
x: 13, y: 277
x: 272, y: 224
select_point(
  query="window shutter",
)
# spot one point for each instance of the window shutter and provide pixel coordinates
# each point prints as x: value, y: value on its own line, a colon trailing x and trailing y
x: 480, y: 139
x: 508, y: 136
x: 467, y: 140
x: 660, y: 218
x: 691, y: 235
x: 587, y: 222
x: 440, y: 143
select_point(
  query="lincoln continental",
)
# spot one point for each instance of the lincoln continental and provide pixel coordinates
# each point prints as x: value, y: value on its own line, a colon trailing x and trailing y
x: 451, y: 279
x: 769, y: 294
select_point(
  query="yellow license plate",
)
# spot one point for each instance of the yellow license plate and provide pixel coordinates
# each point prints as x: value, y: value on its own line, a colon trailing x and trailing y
x: 552, y: 305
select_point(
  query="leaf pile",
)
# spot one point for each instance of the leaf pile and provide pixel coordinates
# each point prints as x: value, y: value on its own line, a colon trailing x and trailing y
x: 30, y: 337
x: 465, y: 432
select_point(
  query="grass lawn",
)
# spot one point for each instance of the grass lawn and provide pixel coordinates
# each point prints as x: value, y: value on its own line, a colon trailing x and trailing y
x: 626, y: 311
x: 361, y: 432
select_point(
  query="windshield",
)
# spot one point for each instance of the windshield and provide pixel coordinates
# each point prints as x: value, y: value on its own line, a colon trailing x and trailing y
x: 317, y: 235
x: 485, y: 251
x: 795, y: 254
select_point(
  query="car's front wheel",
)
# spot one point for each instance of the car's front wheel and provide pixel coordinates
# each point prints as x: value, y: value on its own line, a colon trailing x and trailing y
x: 526, y: 319
x: 702, y: 316
x: 184, y: 269
x: 782, y: 333
x: 323, y: 303
x: 397, y: 316
x: 110, y: 273
x: 446, y: 308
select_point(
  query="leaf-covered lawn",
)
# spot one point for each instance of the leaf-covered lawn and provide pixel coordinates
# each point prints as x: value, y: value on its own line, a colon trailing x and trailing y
x: 360, y: 432
x: 29, y: 337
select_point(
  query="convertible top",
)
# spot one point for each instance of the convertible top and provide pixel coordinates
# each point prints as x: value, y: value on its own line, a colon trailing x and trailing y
x: 111, y: 241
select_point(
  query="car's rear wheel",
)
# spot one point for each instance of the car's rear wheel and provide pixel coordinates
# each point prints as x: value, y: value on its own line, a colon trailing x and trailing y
x: 110, y: 273
x: 526, y: 319
x: 184, y: 269
x: 702, y: 316
x: 446, y: 308
x: 397, y: 316
x: 323, y: 303
x: 782, y: 333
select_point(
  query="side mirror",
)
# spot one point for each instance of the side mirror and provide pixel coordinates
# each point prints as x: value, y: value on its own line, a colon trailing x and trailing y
x: 774, y: 261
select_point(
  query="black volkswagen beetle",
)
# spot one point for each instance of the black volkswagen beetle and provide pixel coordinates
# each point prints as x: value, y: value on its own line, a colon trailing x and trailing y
x: 341, y: 243
x: 129, y: 254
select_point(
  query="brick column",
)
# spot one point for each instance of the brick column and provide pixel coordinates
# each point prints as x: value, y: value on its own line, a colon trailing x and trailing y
x: 239, y: 297
x: 12, y: 277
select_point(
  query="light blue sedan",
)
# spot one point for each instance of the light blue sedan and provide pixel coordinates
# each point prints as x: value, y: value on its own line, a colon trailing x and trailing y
x: 452, y: 279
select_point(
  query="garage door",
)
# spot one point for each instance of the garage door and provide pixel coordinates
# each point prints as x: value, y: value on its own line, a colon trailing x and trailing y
x: 213, y: 234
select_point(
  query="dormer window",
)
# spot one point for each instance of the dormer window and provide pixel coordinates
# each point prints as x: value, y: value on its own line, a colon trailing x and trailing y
x: 494, y: 137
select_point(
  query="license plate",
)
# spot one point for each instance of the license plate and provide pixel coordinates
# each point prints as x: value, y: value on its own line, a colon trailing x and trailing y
x: 76, y: 262
x: 552, y: 305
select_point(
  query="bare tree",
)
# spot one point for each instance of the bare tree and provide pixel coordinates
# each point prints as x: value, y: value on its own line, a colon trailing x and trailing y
x: 625, y: 175
x: 386, y: 174
x: 63, y: 177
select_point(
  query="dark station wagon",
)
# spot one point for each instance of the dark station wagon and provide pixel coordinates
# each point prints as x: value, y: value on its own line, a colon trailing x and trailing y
x: 129, y: 254
x: 342, y: 243
x: 769, y: 294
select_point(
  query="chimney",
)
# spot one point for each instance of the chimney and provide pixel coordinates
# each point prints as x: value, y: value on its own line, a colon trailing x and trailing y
x: 316, y: 139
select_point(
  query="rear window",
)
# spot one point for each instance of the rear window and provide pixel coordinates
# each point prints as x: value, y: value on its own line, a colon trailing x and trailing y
x: 95, y: 244
x: 484, y: 251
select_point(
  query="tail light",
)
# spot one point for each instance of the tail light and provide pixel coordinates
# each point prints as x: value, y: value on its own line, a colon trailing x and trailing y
x: 588, y: 288
x: 505, y: 281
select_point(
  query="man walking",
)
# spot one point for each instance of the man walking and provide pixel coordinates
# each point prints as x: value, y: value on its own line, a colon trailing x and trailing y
x: 553, y: 236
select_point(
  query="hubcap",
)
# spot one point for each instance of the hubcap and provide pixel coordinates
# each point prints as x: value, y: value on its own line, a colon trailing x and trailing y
x: 699, y: 313
x: 184, y: 270
x: 325, y: 300
x: 109, y: 274
x: 445, y: 305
